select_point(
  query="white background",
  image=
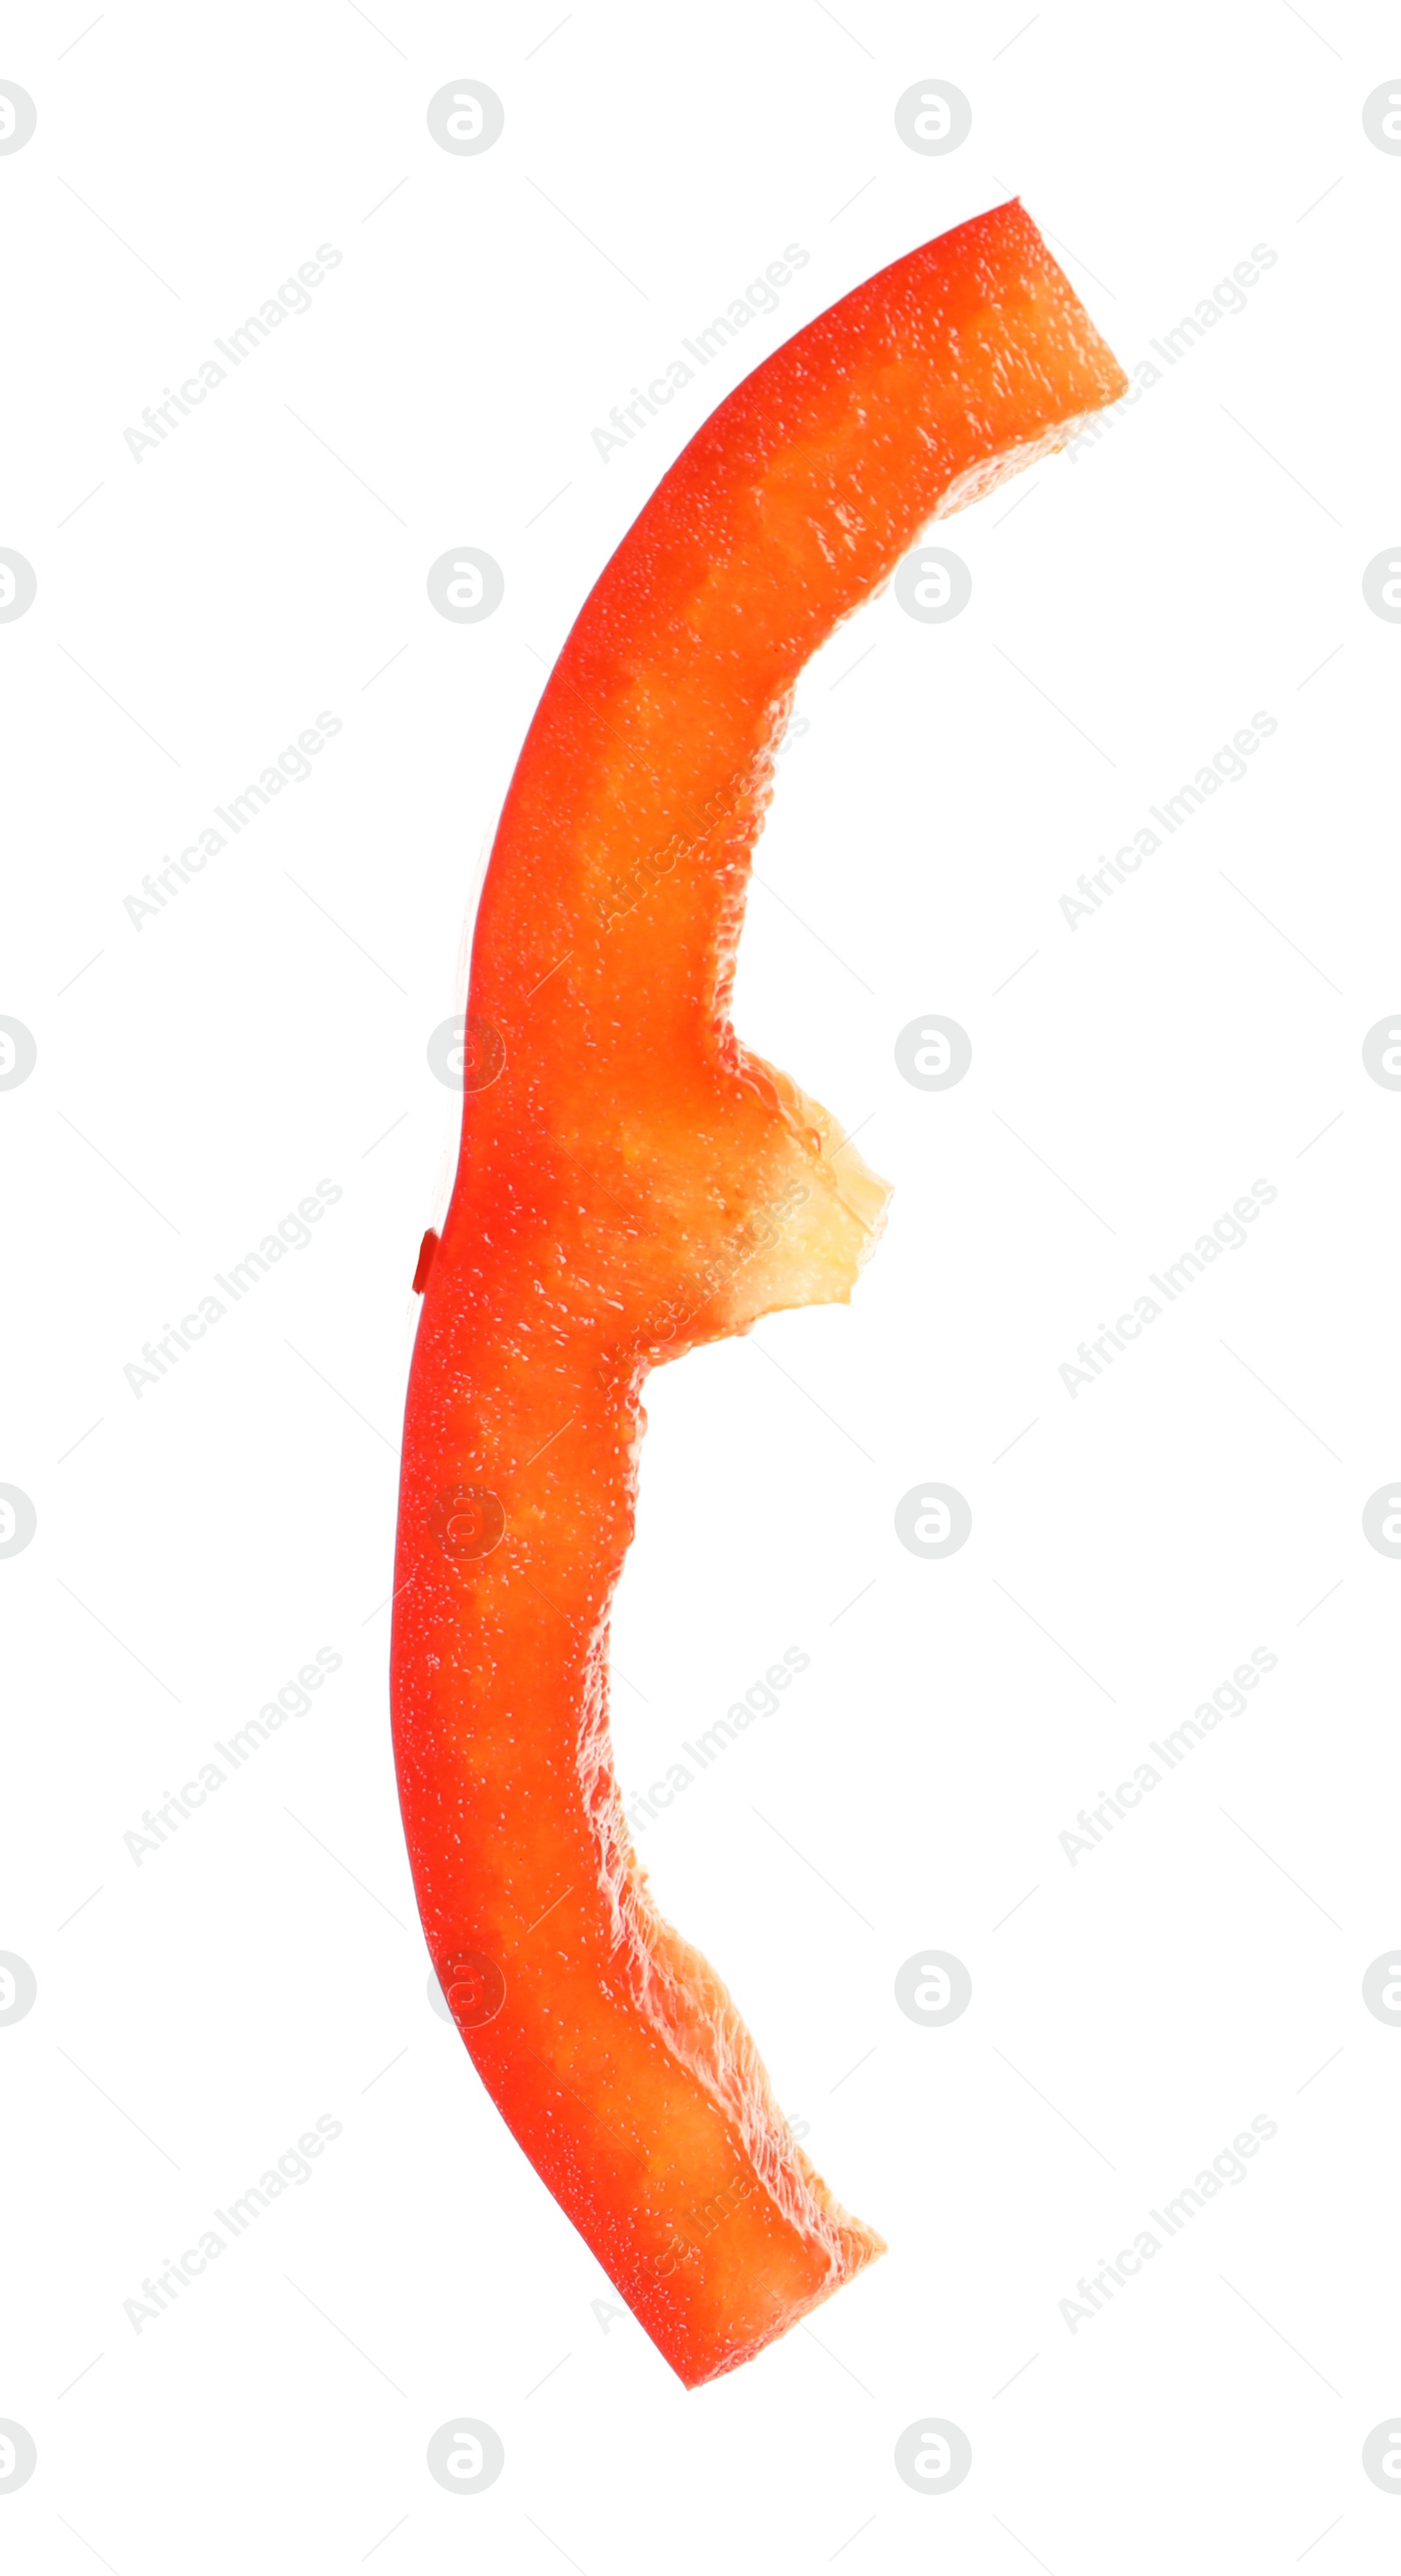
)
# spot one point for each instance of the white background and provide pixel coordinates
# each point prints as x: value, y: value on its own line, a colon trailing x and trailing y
x: 1130, y: 1079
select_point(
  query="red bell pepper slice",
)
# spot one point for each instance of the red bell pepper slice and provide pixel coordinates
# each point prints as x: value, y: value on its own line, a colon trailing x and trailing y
x: 633, y: 1182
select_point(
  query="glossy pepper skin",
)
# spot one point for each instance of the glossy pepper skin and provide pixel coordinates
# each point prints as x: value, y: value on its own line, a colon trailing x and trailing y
x: 634, y: 1182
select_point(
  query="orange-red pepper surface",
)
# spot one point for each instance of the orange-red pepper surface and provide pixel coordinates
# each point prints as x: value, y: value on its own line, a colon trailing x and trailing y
x: 634, y: 1182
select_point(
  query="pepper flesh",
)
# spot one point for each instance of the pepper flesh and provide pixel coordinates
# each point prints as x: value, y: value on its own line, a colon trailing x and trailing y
x: 633, y: 1182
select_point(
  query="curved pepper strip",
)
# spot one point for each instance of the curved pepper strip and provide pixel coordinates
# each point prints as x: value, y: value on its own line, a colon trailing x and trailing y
x: 633, y: 1182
